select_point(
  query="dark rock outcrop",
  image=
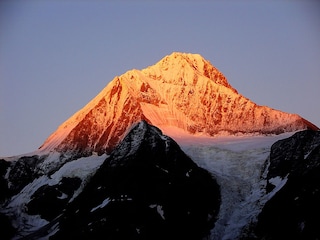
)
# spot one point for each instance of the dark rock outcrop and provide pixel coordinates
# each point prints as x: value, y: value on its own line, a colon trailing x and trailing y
x: 294, y: 211
x: 49, y: 201
x: 4, y: 188
x: 22, y: 172
x: 147, y: 189
x: 7, y: 231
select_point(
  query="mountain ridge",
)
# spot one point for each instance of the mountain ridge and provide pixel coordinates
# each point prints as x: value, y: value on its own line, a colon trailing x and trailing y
x: 182, y: 90
x: 70, y: 187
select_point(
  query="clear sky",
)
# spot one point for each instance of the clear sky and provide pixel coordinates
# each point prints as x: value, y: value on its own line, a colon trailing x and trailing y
x: 55, y: 56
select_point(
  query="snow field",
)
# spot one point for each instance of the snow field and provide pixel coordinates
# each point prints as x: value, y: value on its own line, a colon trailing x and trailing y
x: 237, y: 163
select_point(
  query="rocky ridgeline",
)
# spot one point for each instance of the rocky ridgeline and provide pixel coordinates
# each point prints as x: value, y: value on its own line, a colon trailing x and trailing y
x: 181, y: 90
x: 148, y: 188
x: 108, y: 172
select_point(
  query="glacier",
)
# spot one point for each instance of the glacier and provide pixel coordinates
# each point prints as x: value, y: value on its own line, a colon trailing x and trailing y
x: 237, y: 162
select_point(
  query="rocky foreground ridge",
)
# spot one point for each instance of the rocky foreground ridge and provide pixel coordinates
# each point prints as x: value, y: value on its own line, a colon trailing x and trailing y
x: 147, y: 188
x: 293, y: 212
x: 181, y: 90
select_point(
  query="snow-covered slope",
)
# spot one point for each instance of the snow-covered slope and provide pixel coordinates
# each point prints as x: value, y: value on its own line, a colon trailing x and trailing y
x: 181, y: 90
x: 236, y: 162
x: 269, y: 184
x: 33, y: 197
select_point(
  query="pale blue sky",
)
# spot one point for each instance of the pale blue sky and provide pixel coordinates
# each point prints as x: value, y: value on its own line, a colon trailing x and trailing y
x: 55, y: 56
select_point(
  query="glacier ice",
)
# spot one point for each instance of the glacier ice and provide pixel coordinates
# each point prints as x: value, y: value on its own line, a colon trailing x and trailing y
x: 237, y: 163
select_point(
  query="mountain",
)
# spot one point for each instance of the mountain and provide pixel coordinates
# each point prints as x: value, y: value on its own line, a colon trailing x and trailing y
x: 294, y: 171
x: 147, y: 188
x: 110, y: 171
x: 181, y: 90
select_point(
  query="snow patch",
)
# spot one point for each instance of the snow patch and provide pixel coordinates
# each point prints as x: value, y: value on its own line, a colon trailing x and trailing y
x: 81, y: 168
x: 278, y: 182
x: 102, y: 205
x: 159, y: 209
x: 63, y: 196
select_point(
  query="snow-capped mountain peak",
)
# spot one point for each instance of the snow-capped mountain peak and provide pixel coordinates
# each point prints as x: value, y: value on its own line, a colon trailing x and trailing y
x: 146, y: 186
x: 184, y: 68
x: 182, y: 90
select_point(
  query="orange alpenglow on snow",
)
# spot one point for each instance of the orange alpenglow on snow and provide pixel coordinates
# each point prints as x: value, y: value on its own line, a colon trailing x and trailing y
x: 182, y: 91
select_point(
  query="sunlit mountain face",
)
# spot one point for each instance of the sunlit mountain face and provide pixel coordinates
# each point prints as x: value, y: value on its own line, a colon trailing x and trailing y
x: 172, y: 151
x: 183, y: 91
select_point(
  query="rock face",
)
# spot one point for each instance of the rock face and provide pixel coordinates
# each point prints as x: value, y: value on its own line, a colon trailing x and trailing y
x: 148, y: 188
x: 293, y: 212
x: 181, y: 90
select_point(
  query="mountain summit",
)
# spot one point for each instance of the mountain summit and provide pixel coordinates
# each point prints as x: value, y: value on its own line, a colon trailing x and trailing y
x: 182, y: 90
